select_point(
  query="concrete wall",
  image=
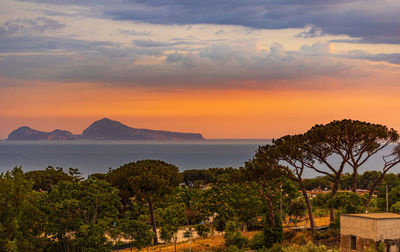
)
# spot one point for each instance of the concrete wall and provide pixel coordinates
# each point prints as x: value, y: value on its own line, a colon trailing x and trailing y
x: 360, y: 227
x: 362, y: 244
x: 369, y: 232
x: 388, y: 229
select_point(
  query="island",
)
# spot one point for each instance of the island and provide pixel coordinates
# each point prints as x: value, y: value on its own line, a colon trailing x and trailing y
x: 104, y: 129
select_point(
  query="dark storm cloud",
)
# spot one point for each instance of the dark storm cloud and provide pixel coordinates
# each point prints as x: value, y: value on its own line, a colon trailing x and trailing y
x: 373, y: 21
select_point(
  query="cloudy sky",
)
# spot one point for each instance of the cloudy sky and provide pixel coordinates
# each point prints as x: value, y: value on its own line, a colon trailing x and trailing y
x: 224, y: 68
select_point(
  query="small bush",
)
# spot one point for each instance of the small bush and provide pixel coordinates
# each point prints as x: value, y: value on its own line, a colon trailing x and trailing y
x: 275, y: 248
x: 233, y: 249
x: 257, y: 242
x: 309, y: 247
x: 321, y: 235
x: 289, y: 235
x: 233, y: 237
x: 202, y: 230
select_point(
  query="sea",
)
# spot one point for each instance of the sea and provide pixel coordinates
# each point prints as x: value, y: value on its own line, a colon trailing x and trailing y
x: 100, y: 156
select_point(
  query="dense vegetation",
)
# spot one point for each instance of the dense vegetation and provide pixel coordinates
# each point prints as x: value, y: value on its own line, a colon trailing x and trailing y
x: 142, y: 202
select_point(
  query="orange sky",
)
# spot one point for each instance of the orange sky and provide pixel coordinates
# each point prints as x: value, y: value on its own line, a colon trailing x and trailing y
x: 225, y: 70
x: 214, y: 113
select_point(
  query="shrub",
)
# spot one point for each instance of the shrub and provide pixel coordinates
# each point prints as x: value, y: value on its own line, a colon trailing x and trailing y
x: 273, y: 233
x: 233, y: 249
x: 309, y: 247
x: 233, y: 237
x: 202, y: 230
x: 321, y: 235
x: 275, y: 248
x: 257, y: 242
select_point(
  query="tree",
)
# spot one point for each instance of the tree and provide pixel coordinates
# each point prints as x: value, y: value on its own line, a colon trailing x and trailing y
x: 293, y: 158
x: 80, y: 213
x: 393, y: 197
x: 137, y: 231
x: 348, y: 202
x: 44, y: 180
x: 262, y: 176
x: 21, y: 215
x: 172, y: 217
x: 233, y: 237
x: 390, y: 161
x: 356, y: 141
x: 395, y: 208
x: 146, y: 180
x: 297, y: 207
x: 229, y: 201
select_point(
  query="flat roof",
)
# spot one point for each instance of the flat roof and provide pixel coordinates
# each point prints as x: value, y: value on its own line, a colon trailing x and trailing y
x: 375, y: 215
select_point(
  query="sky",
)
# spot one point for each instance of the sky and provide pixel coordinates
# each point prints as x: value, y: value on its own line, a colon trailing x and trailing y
x: 223, y: 68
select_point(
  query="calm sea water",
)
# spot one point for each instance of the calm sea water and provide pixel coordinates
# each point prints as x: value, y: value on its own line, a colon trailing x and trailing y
x: 98, y: 156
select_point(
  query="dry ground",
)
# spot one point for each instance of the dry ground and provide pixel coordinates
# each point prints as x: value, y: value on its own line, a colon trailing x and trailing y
x: 217, y: 241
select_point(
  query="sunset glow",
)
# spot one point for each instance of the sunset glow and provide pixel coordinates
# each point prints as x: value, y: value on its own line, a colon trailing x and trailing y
x: 225, y: 78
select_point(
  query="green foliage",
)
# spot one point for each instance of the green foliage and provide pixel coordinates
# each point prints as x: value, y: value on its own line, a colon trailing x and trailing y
x: 233, y: 237
x: 321, y: 235
x: 348, y: 202
x: 21, y: 215
x: 297, y: 208
x: 85, y: 209
x: 137, y: 231
x: 318, y: 182
x: 394, y: 192
x: 257, y: 242
x: 172, y: 217
x: 395, y: 208
x: 233, y: 248
x: 272, y: 233
x: 309, y: 247
x: 44, y: 180
x: 147, y: 181
x: 321, y: 200
x: 202, y: 230
x: 230, y: 201
x: 188, y: 233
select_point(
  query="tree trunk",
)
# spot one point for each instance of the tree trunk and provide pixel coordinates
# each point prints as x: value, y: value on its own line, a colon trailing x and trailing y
x: 372, y: 189
x: 335, y: 188
x: 309, y: 209
x: 354, y: 179
x: 271, y: 212
x: 153, y: 222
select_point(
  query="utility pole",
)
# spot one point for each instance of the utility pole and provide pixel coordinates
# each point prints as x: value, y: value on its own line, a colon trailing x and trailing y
x: 281, y: 202
x: 387, y: 199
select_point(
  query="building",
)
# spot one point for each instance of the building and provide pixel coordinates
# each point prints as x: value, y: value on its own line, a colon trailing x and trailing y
x: 359, y: 232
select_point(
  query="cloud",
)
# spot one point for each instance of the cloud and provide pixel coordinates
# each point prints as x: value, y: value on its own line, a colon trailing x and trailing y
x: 26, y: 25
x: 135, y: 33
x: 152, y: 43
x: 373, y: 21
x: 393, y: 58
x: 47, y: 44
x: 212, y: 66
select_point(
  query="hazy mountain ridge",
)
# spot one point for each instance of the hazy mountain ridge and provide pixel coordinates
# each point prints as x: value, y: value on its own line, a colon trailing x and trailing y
x: 104, y: 129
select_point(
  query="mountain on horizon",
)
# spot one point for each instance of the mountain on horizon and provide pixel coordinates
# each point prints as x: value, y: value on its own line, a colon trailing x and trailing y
x: 104, y: 129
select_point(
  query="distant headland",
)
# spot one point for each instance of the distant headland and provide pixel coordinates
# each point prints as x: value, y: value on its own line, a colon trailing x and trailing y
x: 104, y: 129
